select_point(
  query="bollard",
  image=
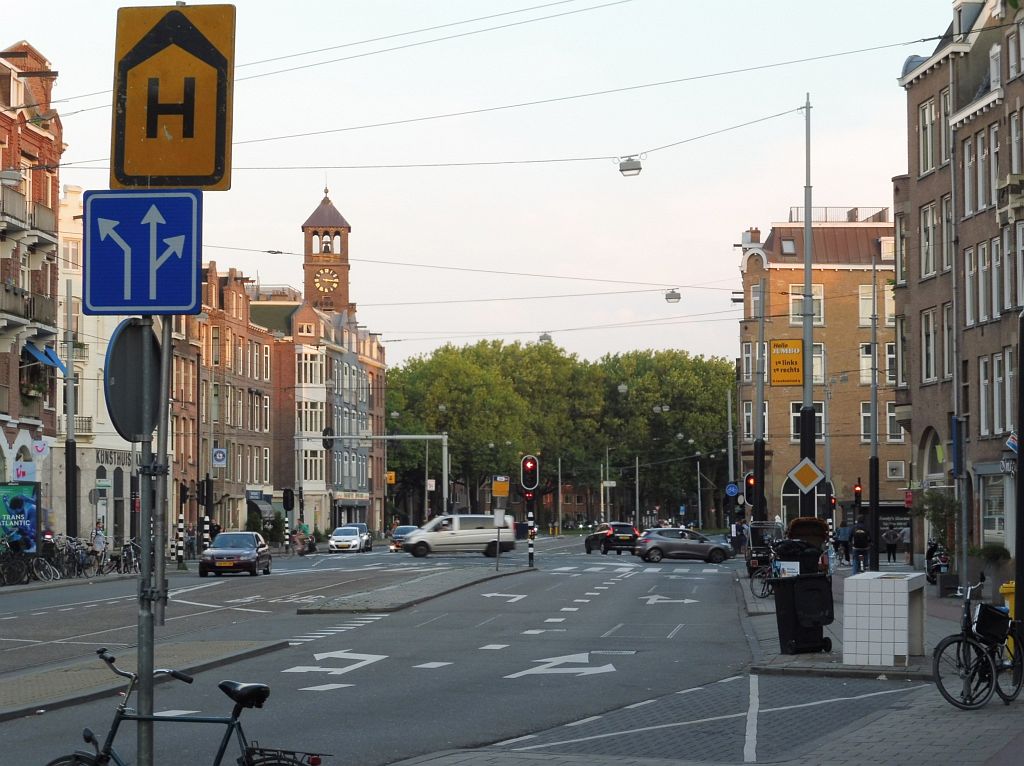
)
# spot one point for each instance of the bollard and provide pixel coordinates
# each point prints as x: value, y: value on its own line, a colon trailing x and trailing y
x: 181, y: 541
x: 206, y: 532
x: 530, y: 535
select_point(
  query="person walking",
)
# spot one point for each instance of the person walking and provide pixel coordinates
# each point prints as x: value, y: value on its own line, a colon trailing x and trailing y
x: 843, y: 541
x: 905, y: 541
x: 891, y: 538
x: 861, y: 541
x: 190, y: 541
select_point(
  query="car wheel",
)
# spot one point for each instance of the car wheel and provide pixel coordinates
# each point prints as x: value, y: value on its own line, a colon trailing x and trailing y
x: 618, y: 552
x: 654, y: 555
x: 605, y: 549
x: 255, y: 571
x: 586, y: 545
x: 420, y: 550
x: 491, y: 550
x: 716, y: 557
x: 203, y: 573
x: 266, y: 569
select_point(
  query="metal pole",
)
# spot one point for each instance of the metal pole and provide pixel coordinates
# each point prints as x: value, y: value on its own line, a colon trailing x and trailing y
x: 444, y: 472
x: 873, y: 460
x: 426, y: 481
x: 558, y: 522
x: 601, y: 517
x: 700, y: 505
x: 1018, y: 536
x: 636, y: 498
x: 732, y: 464
x: 758, y: 511
x: 808, y: 500
x: 146, y: 595
x: 70, y: 446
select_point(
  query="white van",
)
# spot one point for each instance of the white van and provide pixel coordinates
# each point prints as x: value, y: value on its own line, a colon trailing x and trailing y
x: 460, y: 533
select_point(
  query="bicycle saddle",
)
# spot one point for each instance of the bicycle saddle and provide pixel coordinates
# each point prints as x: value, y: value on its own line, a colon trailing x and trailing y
x: 246, y: 695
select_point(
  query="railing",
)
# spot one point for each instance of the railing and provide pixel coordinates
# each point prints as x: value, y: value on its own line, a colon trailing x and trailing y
x: 5, y: 399
x: 12, y: 204
x: 43, y: 219
x: 22, y: 303
x: 32, y: 407
x: 841, y: 215
x: 83, y: 424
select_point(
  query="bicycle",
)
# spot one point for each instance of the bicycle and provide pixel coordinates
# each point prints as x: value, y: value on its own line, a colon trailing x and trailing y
x: 242, y: 694
x: 970, y: 665
x: 761, y: 580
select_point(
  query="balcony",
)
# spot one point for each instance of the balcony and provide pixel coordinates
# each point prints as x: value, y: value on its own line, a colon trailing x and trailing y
x: 42, y: 229
x: 20, y: 309
x: 13, y: 210
x: 83, y: 425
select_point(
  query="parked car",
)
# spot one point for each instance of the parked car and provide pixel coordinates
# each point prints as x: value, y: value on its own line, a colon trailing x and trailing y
x: 676, y: 543
x: 365, y: 532
x: 236, y: 552
x: 347, y: 538
x: 615, y: 536
x: 398, y: 535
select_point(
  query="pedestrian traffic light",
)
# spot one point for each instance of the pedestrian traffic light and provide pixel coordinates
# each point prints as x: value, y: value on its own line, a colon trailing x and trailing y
x: 528, y: 495
x: 529, y: 472
x: 749, y: 485
x: 857, y: 490
x: 288, y: 498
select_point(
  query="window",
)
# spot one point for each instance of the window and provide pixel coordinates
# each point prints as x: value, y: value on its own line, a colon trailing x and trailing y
x: 947, y: 340
x: 1009, y: 413
x: 788, y: 246
x: 306, y: 328
x: 984, y: 281
x: 1015, y: 142
x: 971, y: 286
x: 893, y: 430
x: 748, y: 362
x: 993, y: 509
x: 818, y: 363
x: 981, y: 168
x: 901, y: 249
x: 928, y: 345
x: 993, y: 165
x: 1006, y: 275
x: 266, y: 362
x: 866, y: 358
x: 1018, y: 264
x: 748, y: 420
x: 71, y: 253
x: 926, y: 137
x: 794, y: 421
x: 995, y: 67
x: 864, y: 301
x: 266, y: 413
x: 928, y: 240
x: 889, y: 299
x: 1012, y: 56
x: 946, y: 134
x: 796, y: 304
x: 998, y: 394
x: 755, y: 301
x: 968, y: 176
x: 997, y: 276
x: 895, y: 470
x: 984, y: 396
x: 865, y: 422
x: 890, y: 364
x: 901, y: 351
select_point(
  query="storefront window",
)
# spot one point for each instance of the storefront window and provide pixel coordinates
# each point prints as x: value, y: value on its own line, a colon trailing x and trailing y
x: 993, y: 512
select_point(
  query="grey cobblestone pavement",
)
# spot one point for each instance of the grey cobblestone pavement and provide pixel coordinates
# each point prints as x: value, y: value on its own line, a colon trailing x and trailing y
x: 911, y: 727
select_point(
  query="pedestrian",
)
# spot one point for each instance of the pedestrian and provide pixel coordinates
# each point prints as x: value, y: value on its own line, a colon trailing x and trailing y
x: 891, y: 538
x: 905, y: 540
x: 861, y: 542
x: 214, y: 530
x: 190, y: 541
x: 843, y: 542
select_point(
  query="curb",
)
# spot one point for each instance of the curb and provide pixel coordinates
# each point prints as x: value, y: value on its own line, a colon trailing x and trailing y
x: 105, y: 691
x: 842, y: 671
x: 402, y: 604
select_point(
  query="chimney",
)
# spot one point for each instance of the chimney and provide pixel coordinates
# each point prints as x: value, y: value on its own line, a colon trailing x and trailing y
x: 752, y: 236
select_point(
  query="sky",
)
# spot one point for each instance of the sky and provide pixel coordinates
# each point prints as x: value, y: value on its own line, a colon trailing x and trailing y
x: 548, y: 237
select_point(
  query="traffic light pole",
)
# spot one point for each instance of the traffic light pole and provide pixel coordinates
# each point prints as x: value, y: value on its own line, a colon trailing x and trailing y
x: 808, y: 500
x: 873, y: 460
x: 758, y: 511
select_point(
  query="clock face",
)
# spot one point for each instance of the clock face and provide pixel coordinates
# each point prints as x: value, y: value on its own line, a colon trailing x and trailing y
x: 326, y: 280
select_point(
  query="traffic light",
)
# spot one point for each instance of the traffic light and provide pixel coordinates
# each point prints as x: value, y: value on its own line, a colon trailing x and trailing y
x: 749, y: 485
x: 288, y: 498
x: 857, y: 490
x: 528, y: 495
x: 328, y: 438
x: 529, y: 472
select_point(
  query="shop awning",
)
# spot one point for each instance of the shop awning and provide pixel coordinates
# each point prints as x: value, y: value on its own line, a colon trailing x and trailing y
x: 265, y: 509
x: 47, y: 356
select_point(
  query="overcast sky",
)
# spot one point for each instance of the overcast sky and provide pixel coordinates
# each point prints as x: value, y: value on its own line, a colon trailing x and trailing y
x: 571, y: 248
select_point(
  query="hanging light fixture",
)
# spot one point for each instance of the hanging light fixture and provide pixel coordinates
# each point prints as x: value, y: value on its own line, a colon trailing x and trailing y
x: 672, y: 296
x: 630, y: 166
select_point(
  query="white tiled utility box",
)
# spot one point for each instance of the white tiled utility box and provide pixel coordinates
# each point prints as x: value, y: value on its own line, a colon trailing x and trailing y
x: 883, y: 618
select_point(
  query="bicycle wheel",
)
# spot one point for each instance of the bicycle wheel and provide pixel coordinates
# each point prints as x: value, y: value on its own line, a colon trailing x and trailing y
x: 1009, y: 668
x: 89, y: 566
x: 76, y: 759
x: 110, y: 566
x: 964, y: 672
x: 15, y: 570
x: 42, y: 570
x: 759, y: 583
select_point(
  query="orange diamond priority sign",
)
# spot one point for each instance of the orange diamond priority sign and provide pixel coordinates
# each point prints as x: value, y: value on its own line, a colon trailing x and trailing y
x: 174, y: 67
x: 806, y: 475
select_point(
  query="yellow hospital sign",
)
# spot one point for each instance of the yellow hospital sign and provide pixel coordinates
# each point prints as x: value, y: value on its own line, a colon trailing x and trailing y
x: 174, y: 67
x: 786, y: 362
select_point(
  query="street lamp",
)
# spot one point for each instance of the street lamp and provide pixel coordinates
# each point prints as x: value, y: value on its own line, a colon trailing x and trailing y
x: 672, y: 296
x: 630, y: 166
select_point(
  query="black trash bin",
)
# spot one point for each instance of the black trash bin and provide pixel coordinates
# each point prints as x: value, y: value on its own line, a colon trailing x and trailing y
x: 807, y: 554
x: 803, y: 606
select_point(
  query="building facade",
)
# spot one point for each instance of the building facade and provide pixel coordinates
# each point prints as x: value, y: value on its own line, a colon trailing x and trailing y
x: 852, y: 270
x: 959, y: 215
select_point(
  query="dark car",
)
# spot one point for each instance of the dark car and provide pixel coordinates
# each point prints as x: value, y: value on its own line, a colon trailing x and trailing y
x: 236, y: 552
x: 675, y: 543
x: 398, y: 535
x: 615, y: 536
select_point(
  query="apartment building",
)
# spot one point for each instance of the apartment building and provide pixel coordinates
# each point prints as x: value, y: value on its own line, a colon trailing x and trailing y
x: 852, y: 271
x: 959, y: 216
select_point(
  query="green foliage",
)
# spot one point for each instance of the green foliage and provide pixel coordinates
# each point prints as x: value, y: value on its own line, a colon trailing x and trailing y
x: 274, y: 530
x: 253, y: 522
x: 991, y: 553
x: 942, y: 510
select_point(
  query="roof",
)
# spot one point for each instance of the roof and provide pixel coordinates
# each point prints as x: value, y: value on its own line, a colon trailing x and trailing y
x: 839, y: 244
x: 326, y: 216
x: 273, y: 316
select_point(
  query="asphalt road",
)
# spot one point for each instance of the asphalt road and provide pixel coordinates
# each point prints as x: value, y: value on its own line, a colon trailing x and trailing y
x: 589, y: 655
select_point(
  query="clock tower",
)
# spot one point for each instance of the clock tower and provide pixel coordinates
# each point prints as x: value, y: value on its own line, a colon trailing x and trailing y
x: 325, y: 263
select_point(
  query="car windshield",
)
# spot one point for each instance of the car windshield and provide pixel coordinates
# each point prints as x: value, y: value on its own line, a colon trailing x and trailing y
x: 234, y: 541
x: 403, y: 530
x: 346, y: 532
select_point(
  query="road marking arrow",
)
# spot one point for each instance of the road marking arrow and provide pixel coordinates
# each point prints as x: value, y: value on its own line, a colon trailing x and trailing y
x: 552, y: 665
x: 344, y: 654
x: 108, y: 229
x: 665, y: 600
x: 512, y: 598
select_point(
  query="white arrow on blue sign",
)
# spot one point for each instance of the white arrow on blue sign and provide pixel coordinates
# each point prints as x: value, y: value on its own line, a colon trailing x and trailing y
x: 143, y: 251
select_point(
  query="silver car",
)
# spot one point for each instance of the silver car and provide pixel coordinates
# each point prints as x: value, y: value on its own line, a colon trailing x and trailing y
x: 346, y: 539
x: 675, y: 543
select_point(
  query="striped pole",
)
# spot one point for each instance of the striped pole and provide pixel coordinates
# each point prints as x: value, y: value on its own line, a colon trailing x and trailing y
x: 181, y: 541
x: 531, y: 533
x: 206, y: 532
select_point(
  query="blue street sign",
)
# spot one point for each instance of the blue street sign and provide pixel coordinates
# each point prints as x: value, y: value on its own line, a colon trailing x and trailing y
x: 732, y: 489
x: 143, y: 251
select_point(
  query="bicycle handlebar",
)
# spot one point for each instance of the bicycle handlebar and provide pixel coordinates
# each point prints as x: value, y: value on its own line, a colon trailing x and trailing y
x: 110, y: 659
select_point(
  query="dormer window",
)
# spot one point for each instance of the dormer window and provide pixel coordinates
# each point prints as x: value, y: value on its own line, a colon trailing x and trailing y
x: 306, y: 328
x: 789, y: 247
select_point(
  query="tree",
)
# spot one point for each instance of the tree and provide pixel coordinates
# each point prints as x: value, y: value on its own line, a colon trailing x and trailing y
x: 942, y: 510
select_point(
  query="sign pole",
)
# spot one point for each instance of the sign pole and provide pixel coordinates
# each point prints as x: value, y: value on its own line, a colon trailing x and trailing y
x: 145, y: 637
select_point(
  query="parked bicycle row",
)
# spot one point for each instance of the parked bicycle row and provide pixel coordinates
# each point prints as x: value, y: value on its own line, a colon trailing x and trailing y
x: 62, y: 557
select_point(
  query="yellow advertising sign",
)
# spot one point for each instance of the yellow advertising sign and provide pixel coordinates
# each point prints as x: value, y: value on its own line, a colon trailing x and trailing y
x: 391, y: 477
x: 173, y: 73
x: 786, y: 362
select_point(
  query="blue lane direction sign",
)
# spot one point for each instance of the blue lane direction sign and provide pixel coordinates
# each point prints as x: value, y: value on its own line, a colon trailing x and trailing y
x: 143, y: 251
x: 732, y: 489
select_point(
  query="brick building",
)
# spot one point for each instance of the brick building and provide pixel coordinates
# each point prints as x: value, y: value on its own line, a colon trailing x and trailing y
x: 959, y: 215
x: 847, y: 244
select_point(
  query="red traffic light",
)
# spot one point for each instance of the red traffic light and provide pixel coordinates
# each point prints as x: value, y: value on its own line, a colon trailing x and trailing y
x: 857, y: 488
x: 529, y: 472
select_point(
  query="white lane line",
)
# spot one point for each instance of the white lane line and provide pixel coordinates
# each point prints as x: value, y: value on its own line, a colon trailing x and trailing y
x: 66, y: 609
x: 174, y: 713
x: 676, y: 629
x: 600, y: 587
x: 710, y: 571
x: 8, y: 618
x: 494, y: 646
x: 569, y: 609
x: 324, y: 687
x: 432, y: 619
x: 639, y: 704
x: 639, y: 730
x: 581, y: 601
x: 591, y: 593
x: 584, y: 720
x: 694, y: 689
x: 652, y: 570
x: 563, y: 569
x: 729, y: 680
x: 432, y: 665
x: 23, y: 640
x: 842, y: 699
x: 555, y: 619
x: 517, y: 739
x: 750, y: 736
x: 606, y: 635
